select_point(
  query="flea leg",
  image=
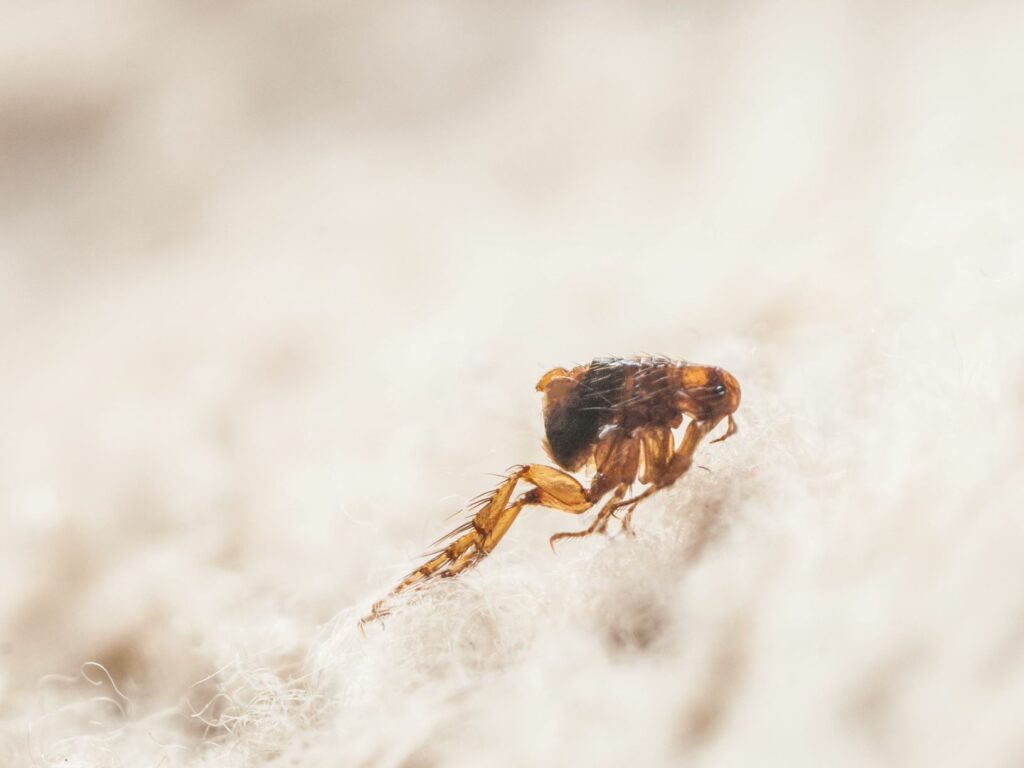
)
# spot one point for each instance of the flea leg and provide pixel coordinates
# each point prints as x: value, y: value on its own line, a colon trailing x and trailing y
x: 628, y: 518
x: 600, y: 523
x: 679, y: 462
x: 618, y: 461
x: 478, y: 536
x: 732, y: 430
x: 666, y: 469
x: 631, y: 505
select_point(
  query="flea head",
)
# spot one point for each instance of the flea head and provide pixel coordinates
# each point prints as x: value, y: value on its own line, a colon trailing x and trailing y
x: 708, y: 392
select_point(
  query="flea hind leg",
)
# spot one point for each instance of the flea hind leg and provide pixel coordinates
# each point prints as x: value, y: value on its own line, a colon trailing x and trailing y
x: 478, y: 536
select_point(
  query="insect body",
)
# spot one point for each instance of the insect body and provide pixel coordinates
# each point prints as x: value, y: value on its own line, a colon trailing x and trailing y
x: 614, y: 417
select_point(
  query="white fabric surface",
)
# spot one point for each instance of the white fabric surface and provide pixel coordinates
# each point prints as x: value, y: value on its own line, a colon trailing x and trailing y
x: 277, y: 280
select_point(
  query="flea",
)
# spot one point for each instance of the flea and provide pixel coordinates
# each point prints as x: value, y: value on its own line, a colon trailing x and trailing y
x: 612, y: 418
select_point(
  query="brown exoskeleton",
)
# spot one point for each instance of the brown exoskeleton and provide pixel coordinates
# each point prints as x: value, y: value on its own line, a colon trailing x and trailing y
x: 613, y: 416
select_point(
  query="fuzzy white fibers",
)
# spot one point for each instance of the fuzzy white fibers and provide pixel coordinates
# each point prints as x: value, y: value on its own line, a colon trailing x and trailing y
x: 277, y: 280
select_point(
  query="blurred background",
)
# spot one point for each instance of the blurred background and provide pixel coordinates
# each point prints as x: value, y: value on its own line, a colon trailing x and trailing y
x: 277, y: 280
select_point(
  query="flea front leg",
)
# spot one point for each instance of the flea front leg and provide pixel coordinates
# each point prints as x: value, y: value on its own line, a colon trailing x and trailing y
x: 678, y: 464
x: 732, y: 430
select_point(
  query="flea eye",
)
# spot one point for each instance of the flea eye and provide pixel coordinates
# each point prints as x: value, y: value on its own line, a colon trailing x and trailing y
x: 719, y: 391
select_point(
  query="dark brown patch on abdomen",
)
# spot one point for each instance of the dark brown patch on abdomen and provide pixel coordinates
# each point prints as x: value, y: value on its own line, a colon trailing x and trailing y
x: 572, y: 427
